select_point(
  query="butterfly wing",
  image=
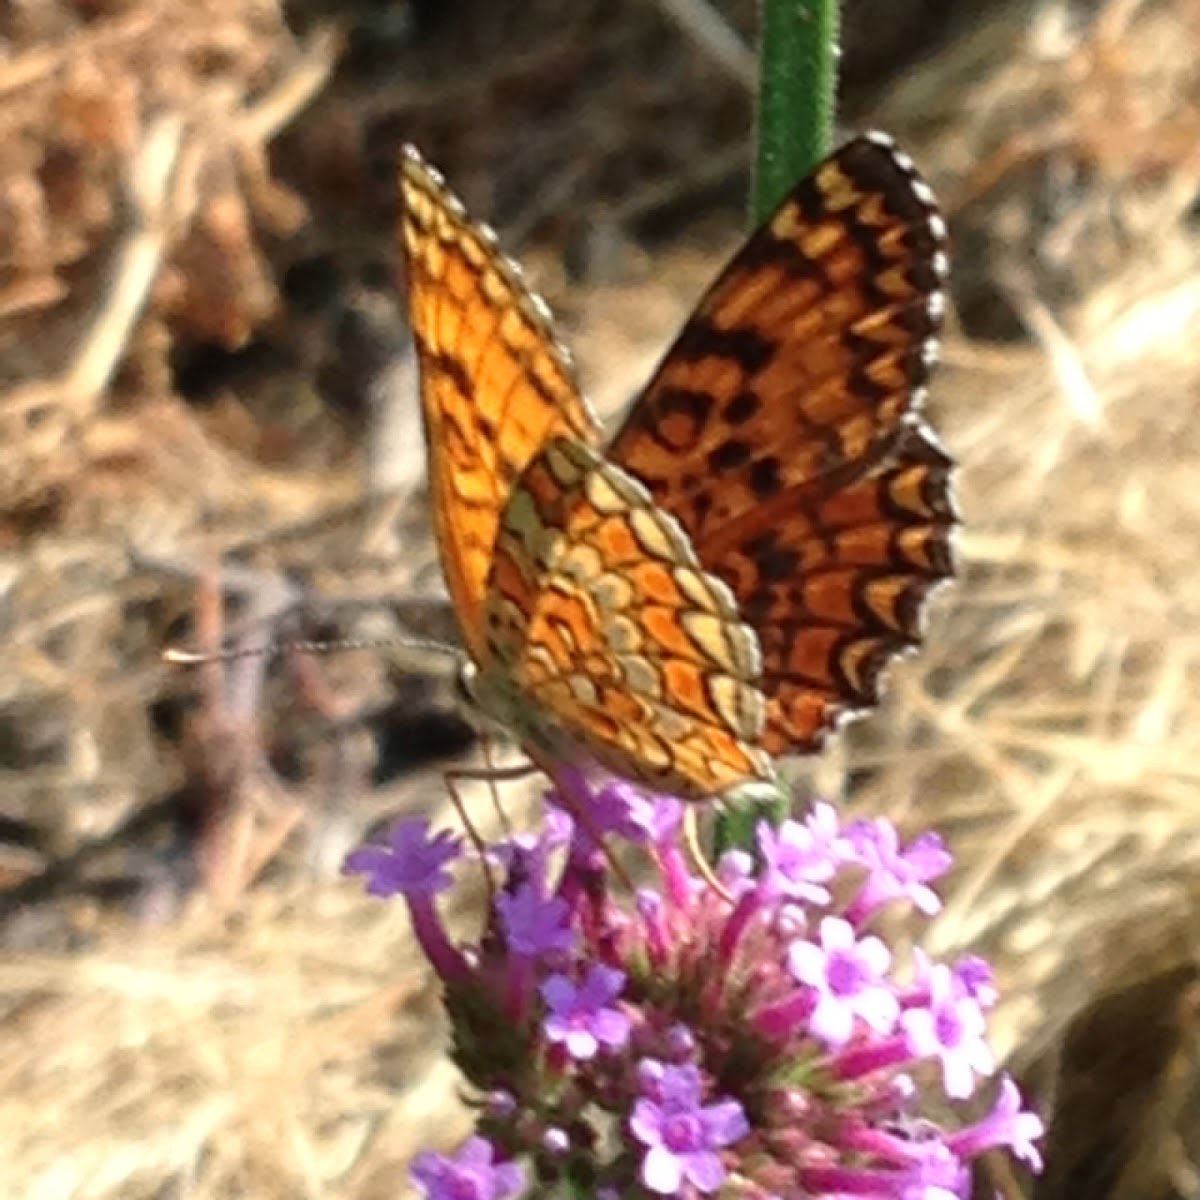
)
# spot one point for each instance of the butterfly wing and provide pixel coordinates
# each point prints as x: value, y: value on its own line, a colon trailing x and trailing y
x: 614, y: 640
x: 495, y: 383
x: 836, y: 590
x: 779, y: 431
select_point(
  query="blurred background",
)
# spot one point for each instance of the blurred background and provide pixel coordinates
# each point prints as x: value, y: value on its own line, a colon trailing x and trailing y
x: 210, y: 438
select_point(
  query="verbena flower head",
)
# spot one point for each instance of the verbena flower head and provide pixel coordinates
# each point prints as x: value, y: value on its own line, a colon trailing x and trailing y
x: 671, y: 1043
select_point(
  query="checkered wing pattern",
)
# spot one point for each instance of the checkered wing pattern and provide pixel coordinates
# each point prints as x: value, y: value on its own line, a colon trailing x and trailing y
x: 781, y: 432
x: 495, y: 383
x: 614, y: 636
x: 734, y: 574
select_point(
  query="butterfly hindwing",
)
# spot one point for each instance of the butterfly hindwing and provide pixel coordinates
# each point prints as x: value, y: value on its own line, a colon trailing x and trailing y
x: 838, y: 590
x: 615, y: 636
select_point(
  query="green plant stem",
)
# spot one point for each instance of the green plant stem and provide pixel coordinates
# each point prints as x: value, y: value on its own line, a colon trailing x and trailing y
x: 798, y: 53
x: 797, y: 92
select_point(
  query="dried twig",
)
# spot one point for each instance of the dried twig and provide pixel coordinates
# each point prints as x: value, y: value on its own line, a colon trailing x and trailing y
x: 706, y: 28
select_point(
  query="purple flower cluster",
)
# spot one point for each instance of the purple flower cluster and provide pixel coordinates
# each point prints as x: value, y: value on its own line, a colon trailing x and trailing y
x: 682, y: 1043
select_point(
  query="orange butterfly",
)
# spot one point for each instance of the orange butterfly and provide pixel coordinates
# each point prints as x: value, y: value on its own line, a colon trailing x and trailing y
x: 729, y: 578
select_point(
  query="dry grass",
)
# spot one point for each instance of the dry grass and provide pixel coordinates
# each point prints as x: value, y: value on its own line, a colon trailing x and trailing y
x: 281, y: 1037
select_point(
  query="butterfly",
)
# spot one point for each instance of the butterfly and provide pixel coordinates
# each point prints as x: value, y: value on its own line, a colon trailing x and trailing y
x: 727, y: 579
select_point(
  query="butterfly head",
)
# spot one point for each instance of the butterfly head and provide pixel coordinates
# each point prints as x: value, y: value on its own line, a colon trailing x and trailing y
x: 486, y: 702
x: 466, y: 689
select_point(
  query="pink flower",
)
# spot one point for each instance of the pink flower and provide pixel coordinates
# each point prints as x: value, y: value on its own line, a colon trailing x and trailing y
x: 581, y: 1017
x: 848, y: 976
x: 681, y: 1134
x: 472, y: 1175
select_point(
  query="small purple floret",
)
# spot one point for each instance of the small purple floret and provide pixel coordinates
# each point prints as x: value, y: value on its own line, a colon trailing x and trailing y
x: 473, y: 1174
x: 951, y: 1028
x: 581, y: 1017
x: 530, y: 853
x: 681, y: 1135
x: 848, y: 978
x: 1008, y: 1124
x: 535, y: 924
x: 634, y: 814
x: 977, y: 980
x: 796, y: 863
x: 411, y: 863
x: 896, y: 873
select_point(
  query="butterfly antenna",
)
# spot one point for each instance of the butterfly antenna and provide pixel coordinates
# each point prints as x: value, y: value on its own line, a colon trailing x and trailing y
x: 193, y: 658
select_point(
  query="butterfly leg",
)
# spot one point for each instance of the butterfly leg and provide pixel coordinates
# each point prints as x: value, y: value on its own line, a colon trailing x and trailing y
x: 571, y: 798
x: 493, y: 775
x: 487, y: 746
x: 451, y: 779
x: 490, y: 774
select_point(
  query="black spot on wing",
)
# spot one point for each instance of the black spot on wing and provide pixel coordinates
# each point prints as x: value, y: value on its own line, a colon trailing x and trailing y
x: 701, y: 339
x: 765, y: 479
x: 449, y: 365
x: 741, y: 408
x: 729, y: 455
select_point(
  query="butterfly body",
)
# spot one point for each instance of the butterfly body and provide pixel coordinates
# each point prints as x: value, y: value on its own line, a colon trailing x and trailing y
x: 729, y: 578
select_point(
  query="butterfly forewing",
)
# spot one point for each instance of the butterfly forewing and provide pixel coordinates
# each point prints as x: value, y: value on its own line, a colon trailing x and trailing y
x: 495, y: 383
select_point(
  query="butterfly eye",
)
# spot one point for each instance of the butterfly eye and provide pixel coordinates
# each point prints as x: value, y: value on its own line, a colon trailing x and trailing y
x: 466, y: 688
